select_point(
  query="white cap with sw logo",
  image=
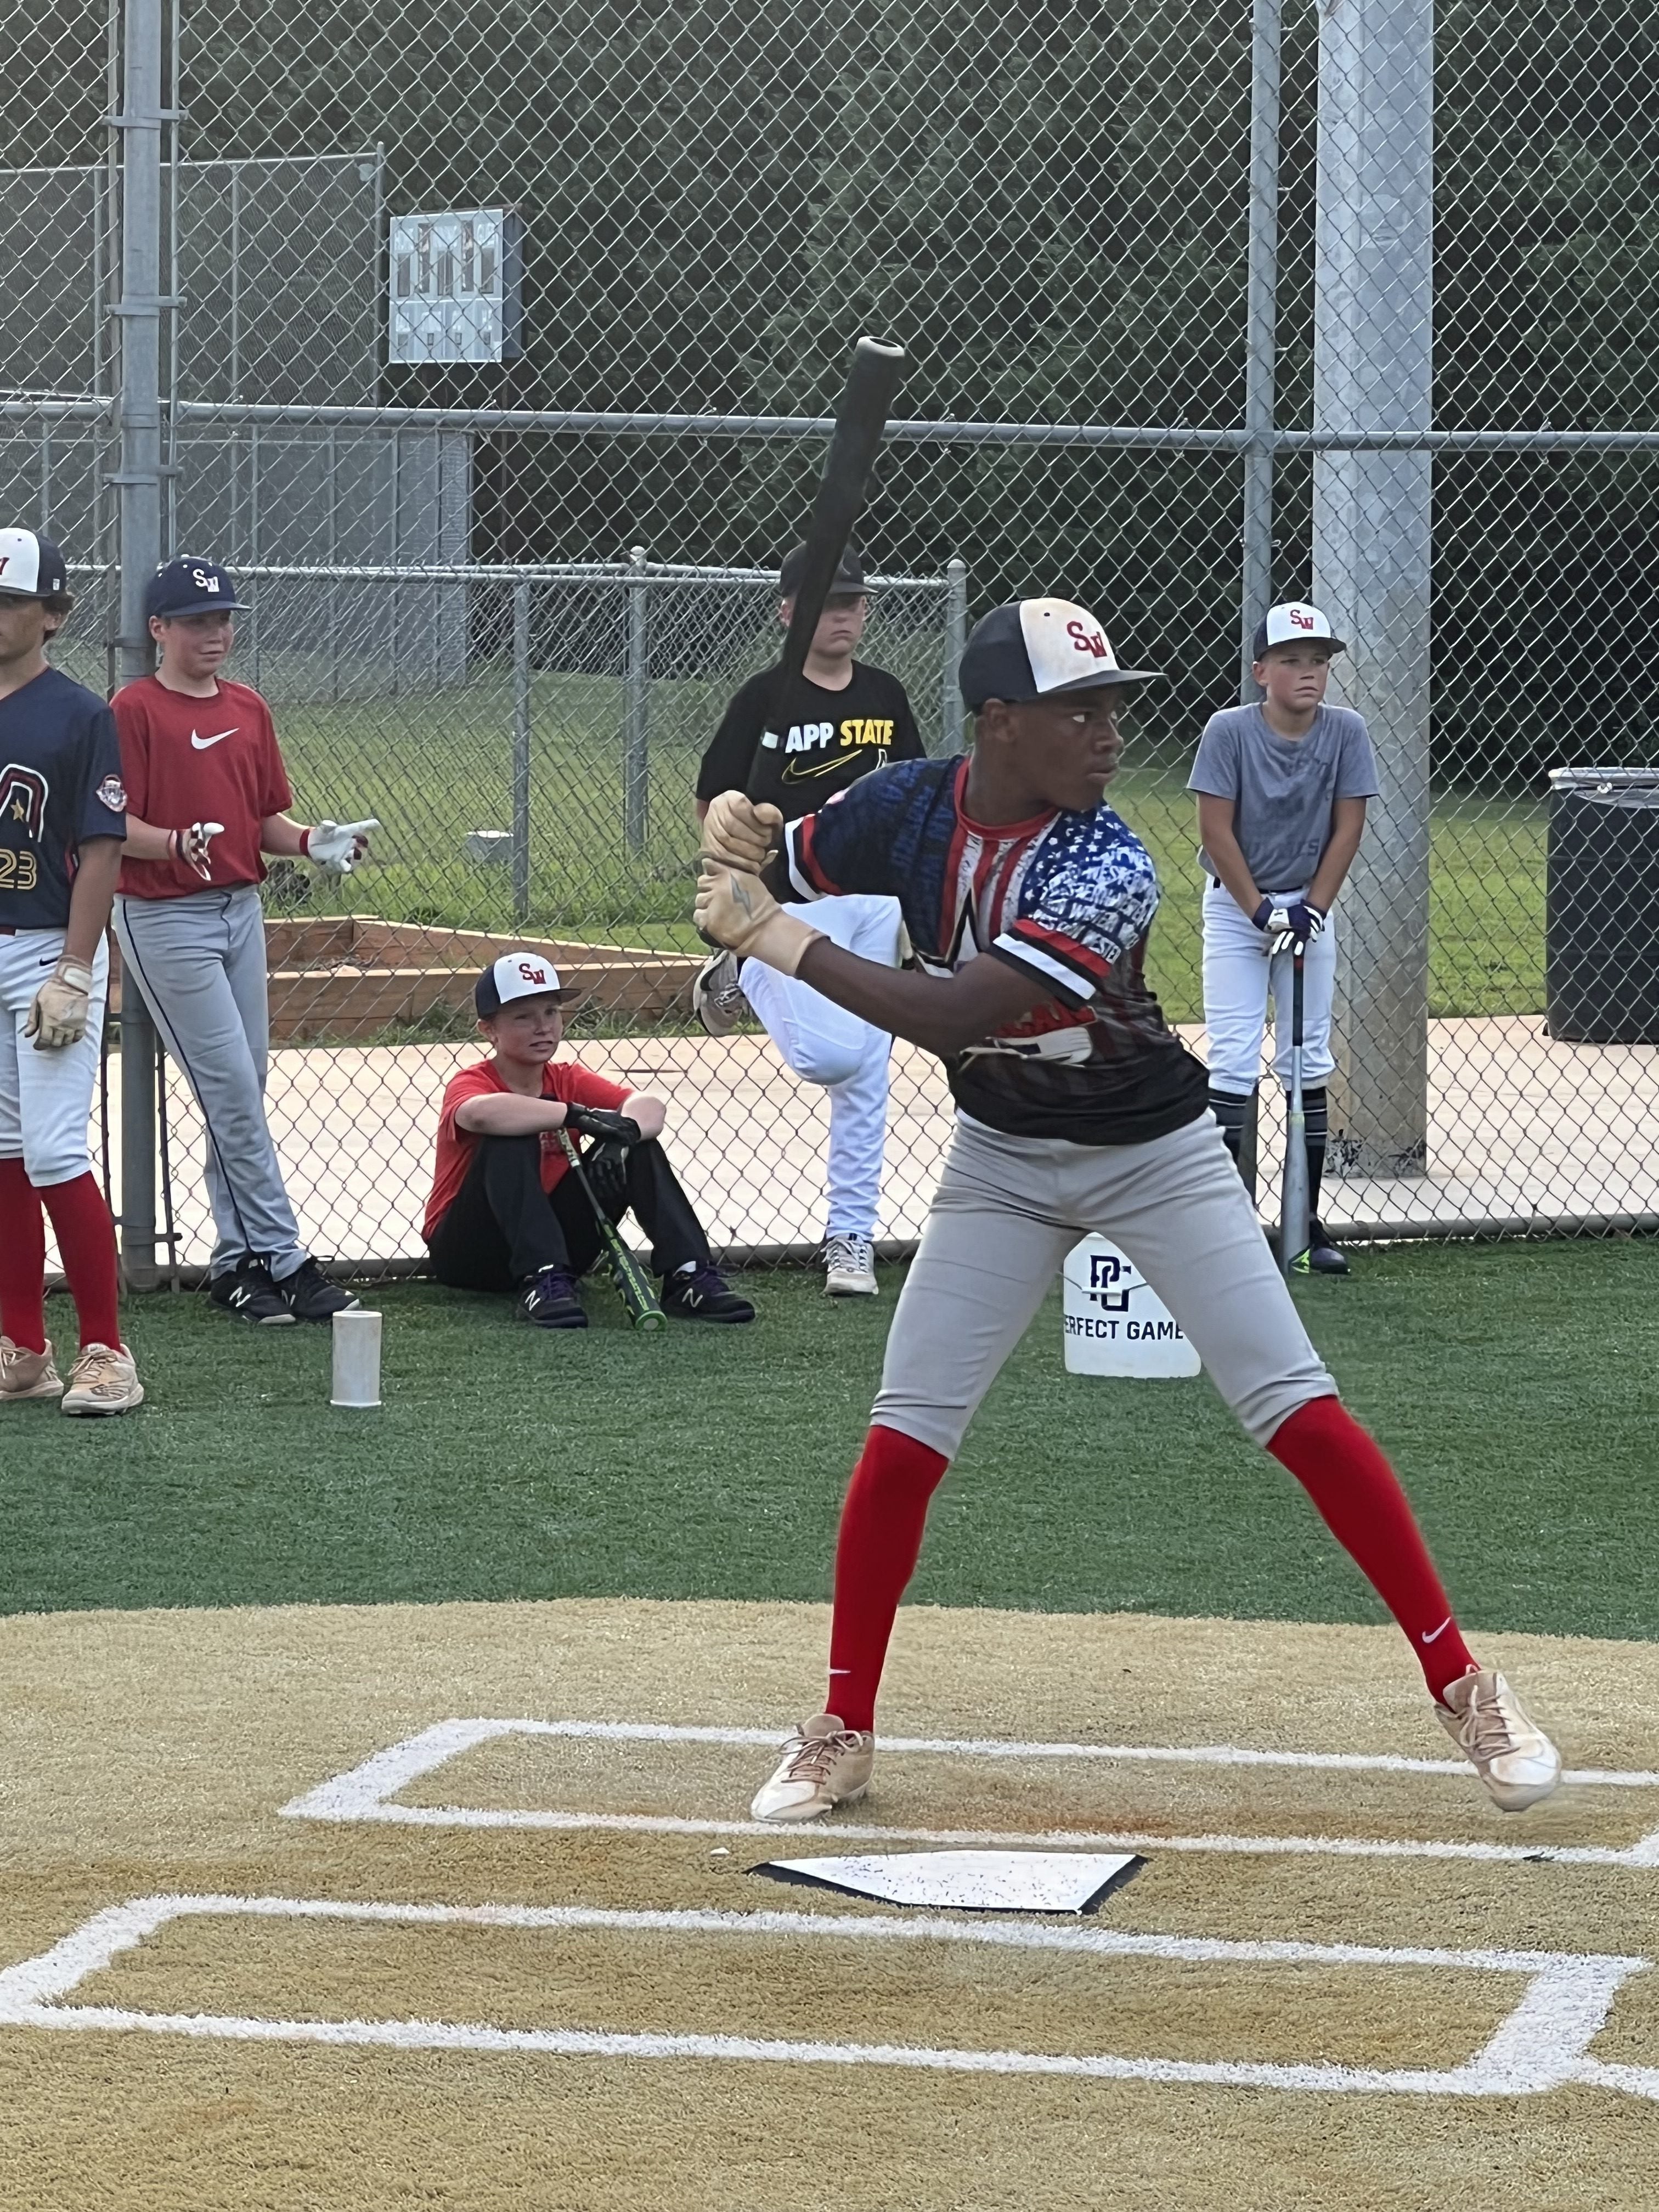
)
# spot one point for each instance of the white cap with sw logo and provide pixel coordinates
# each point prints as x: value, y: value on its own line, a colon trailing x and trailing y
x: 516, y: 976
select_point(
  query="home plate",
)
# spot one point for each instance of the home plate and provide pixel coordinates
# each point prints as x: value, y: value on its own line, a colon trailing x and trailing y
x: 968, y: 1881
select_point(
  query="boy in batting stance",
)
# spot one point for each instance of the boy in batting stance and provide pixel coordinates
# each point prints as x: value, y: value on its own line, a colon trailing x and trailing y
x: 1028, y: 903
x: 505, y: 1212
x: 841, y: 719
x: 207, y: 799
x: 62, y: 819
x: 1281, y: 809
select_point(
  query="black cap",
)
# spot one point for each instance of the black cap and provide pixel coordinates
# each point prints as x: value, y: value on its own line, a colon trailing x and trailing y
x: 191, y: 585
x: 32, y: 567
x: 848, y: 579
x: 1034, y: 648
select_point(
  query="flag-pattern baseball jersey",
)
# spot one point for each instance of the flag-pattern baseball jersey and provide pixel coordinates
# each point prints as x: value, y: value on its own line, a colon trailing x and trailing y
x: 60, y: 784
x: 1067, y: 898
x: 186, y: 760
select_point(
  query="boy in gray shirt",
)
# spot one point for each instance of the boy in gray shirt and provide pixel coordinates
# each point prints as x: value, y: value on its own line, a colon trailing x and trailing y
x: 1281, y: 809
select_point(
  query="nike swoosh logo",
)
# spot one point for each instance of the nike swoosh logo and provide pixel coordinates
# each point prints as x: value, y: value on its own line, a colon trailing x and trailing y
x: 1430, y: 1635
x: 795, y: 772
x: 201, y: 743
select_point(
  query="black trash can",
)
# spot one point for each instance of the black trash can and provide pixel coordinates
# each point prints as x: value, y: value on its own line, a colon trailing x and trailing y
x: 1602, y: 905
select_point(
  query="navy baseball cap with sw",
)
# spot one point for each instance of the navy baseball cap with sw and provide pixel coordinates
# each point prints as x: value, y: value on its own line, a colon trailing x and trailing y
x: 1036, y: 647
x: 847, y: 582
x: 32, y: 567
x: 190, y: 586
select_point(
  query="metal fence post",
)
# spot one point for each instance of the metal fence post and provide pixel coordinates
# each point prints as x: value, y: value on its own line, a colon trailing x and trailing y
x: 138, y: 484
x: 956, y: 636
x: 637, y: 692
x: 1260, y: 336
x: 520, y: 748
x: 1373, y: 372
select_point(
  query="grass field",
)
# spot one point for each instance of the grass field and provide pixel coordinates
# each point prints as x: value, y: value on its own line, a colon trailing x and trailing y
x: 433, y: 767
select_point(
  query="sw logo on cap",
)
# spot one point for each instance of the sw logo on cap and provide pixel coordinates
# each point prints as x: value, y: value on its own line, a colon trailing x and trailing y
x: 529, y: 974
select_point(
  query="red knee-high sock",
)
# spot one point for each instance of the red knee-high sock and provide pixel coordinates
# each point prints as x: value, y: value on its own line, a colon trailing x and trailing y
x: 876, y: 1555
x: 22, y: 1259
x: 86, y: 1243
x: 1361, y: 1502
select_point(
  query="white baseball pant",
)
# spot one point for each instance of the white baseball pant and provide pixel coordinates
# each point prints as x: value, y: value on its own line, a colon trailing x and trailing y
x: 825, y: 1044
x: 1236, y: 982
x: 45, y: 1097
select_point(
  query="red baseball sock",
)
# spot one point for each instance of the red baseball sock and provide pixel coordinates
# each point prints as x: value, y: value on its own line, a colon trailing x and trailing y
x: 1361, y: 1502
x: 22, y: 1259
x: 876, y: 1555
x: 85, y: 1242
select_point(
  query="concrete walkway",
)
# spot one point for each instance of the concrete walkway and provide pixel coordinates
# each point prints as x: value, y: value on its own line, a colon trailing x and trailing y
x: 1524, y: 1130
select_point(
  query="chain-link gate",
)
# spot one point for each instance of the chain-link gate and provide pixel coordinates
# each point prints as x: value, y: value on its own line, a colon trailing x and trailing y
x: 494, y: 347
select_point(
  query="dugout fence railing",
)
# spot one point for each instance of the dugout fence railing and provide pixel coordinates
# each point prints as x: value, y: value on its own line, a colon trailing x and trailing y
x: 497, y: 352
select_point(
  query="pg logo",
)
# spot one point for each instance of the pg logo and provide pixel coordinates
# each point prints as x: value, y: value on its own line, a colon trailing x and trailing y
x: 1091, y: 641
x: 1109, y: 1283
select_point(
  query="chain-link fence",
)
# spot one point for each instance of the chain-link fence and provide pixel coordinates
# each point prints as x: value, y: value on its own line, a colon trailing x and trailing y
x: 430, y: 317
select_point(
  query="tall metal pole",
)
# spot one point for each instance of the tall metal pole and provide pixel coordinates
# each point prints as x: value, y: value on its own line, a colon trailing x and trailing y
x: 636, y: 688
x: 1373, y: 371
x: 956, y: 636
x: 520, y: 748
x: 1260, y: 336
x: 138, y: 482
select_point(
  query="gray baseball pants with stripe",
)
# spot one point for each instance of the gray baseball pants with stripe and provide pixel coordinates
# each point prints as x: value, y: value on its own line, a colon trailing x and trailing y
x: 1007, y: 1211
x: 200, y: 964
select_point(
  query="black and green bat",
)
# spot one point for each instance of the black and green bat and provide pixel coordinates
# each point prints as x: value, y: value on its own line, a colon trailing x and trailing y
x: 632, y: 1284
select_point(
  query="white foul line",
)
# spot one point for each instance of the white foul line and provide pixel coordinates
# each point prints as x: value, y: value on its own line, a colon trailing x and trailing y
x: 1542, y: 2043
x: 366, y: 1792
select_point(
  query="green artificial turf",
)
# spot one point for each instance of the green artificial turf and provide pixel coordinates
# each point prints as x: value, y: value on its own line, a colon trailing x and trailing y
x: 1512, y: 1385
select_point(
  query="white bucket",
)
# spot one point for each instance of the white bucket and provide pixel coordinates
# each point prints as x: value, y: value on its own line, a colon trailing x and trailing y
x: 1115, y: 1323
x: 356, y: 1359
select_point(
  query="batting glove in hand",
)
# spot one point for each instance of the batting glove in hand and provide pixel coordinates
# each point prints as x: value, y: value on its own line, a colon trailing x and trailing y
x: 737, y: 834
x: 738, y: 911
x: 336, y: 846
x: 62, y: 1005
x: 606, y: 1168
x: 604, y: 1126
x: 192, y: 845
x: 1296, y: 926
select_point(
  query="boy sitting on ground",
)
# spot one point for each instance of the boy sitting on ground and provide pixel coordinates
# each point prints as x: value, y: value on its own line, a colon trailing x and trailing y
x: 505, y: 1212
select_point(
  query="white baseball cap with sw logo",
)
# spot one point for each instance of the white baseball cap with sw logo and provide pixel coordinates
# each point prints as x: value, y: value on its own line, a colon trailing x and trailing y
x: 1294, y: 622
x: 517, y: 975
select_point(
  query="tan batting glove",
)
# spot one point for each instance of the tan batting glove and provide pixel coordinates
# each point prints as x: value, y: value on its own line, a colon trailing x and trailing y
x: 740, y: 835
x: 62, y: 1005
x: 735, y: 910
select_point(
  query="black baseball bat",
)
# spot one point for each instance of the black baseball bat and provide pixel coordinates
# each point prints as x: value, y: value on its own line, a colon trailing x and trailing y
x: 872, y: 378
x: 632, y: 1284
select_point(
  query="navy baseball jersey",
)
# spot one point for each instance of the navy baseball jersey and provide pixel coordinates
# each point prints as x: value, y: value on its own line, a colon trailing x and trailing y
x: 1068, y: 899
x: 60, y: 784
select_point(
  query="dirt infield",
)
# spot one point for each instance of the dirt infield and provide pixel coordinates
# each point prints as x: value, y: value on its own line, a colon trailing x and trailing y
x: 528, y: 1966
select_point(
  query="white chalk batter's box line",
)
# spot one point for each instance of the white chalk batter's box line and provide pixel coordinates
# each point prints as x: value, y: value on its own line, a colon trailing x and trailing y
x: 366, y: 1792
x: 1542, y: 2043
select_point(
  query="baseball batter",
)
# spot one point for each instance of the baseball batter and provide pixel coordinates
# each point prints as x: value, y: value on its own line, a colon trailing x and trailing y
x: 207, y: 799
x: 1281, y: 789
x: 841, y: 719
x: 1029, y: 903
x: 63, y: 815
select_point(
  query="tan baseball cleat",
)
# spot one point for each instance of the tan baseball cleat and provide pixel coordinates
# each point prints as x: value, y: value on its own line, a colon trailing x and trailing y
x: 103, y: 1380
x: 823, y: 1765
x: 24, y: 1374
x: 1499, y: 1738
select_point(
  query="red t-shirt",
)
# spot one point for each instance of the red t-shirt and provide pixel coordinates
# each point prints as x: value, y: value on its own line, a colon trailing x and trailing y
x: 184, y: 760
x: 561, y: 1079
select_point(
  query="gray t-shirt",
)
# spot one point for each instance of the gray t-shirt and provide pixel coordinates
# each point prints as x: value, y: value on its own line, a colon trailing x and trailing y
x: 1283, y: 789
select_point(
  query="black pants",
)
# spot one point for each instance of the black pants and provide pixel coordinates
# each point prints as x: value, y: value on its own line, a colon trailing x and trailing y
x: 502, y: 1225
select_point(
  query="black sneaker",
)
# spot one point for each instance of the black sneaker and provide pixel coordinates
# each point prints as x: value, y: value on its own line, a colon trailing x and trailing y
x: 248, y: 1292
x: 548, y: 1300
x: 309, y: 1294
x: 1324, y: 1258
x: 701, y: 1294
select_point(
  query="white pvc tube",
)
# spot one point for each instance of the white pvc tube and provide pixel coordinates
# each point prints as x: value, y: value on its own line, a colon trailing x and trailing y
x: 356, y: 1359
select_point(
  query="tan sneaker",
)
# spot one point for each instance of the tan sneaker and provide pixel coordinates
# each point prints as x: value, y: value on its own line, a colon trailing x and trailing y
x: 24, y: 1374
x: 1497, y: 1734
x: 103, y: 1380
x: 823, y: 1765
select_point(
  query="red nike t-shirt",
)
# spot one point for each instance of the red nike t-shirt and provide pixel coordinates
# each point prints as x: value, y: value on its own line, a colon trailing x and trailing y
x: 561, y: 1079
x: 184, y: 760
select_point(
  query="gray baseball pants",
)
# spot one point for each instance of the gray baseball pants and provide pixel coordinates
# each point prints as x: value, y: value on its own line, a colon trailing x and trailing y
x: 1007, y: 1211
x: 200, y: 964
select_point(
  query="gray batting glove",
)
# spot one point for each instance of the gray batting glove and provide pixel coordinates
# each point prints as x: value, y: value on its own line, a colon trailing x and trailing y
x: 61, y: 1007
x: 336, y: 846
